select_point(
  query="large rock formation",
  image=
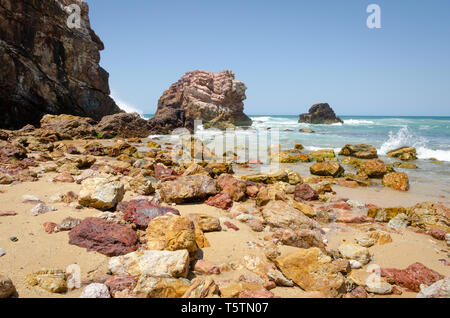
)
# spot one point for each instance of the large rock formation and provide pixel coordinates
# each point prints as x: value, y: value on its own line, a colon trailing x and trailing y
x: 47, y: 67
x: 215, y: 98
x: 320, y: 114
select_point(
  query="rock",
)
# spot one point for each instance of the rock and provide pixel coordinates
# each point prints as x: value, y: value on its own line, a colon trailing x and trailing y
x: 378, y: 286
x: 49, y: 227
x: 216, y: 99
x: 206, y: 268
x: 305, y: 192
x: 234, y: 187
x: 374, y: 237
x: 306, y: 209
x: 64, y: 178
x: 438, y: 234
x: 230, y: 225
x: 333, y: 169
x: 195, y: 169
x: 320, y: 114
x: 202, y: 287
x: 141, y: 212
x: 216, y: 169
x: 59, y: 70
x: 101, y: 193
x: 374, y: 168
x: 2, y: 252
x: 400, y: 221
x: 306, y: 131
x: 404, y: 165
x: 205, y: 222
x: 396, y: 180
x: 67, y: 224
x: 69, y: 126
x: 53, y: 281
x: 7, y: 288
x: 428, y: 215
x: 286, y: 157
x: 41, y: 208
x: 151, y: 263
x: 125, y: 125
x: 312, y: 270
x: 359, y: 292
x: 171, y: 233
x: 440, y: 289
x: 361, y: 151
x: 412, y: 277
x: 95, y: 290
x: 161, y: 287
x: 120, y: 283
x: 262, y: 293
x: 355, y: 252
x: 269, y: 178
x: 222, y: 201
x: 164, y: 173
x: 350, y: 217
x: 404, y: 153
x: 385, y: 214
x: 104, y: 237
x: 299, y: 238
x: 322, y: 155
x: 188, y: 189
x: 280, y: 214
x: 6, y: 178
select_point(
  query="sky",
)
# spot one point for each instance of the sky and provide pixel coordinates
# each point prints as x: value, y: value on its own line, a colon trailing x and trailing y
x: 290, y: 54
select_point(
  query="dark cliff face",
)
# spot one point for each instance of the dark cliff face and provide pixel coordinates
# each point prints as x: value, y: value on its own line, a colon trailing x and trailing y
x: 47, y: 67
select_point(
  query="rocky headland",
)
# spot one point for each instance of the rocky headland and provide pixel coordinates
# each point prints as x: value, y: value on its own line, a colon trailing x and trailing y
x: 320, y: 114
x: 47, y: 67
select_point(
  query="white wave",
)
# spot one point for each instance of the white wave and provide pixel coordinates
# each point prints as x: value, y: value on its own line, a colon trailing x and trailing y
x: 402, y: 138
x: 358, y: 122
x: 261, y: 119
x: 127, y: 107
x: 314, y: 148
x: 425, y: 153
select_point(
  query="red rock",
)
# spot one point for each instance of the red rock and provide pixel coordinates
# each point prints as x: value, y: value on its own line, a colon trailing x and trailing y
x: 50, y: 227
x: 252, y: 191
x: 412, y: 277
x: 438, y: 234
x: 340, y: 205
x: 7, y: 213
x: 119, y: 283
x: 206, y: 268
x: 72, y: 150
x: 231, y: 226
x: 162, y: 173
x: 234, y: 187
x: 262, y: 293
x: 125, y: 125
x: 141, y: 212
x: 396, y: 290
x: 348, y: 183
x: 299, y: 238
x: 359, y: 292
x: 305, y: 192
x: 104, y: 237
x: 349, y: 217
x: 256, y: 225
x: 221, y: 201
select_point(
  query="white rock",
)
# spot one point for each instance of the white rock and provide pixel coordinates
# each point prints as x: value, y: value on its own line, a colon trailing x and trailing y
x: 378, y: 286
x: 96, y: 291
x: 356, y: 204
x: 101, y: 193
x: 151, y: 263
x: 2, y: 252
x: 57, y: 198
x: 355, y: 252
x: 440, y: 289
x: 244, y: 217
x: 28, y: 197
x: 41, y: 208
x: 400, y: 221
x: 355, y: 264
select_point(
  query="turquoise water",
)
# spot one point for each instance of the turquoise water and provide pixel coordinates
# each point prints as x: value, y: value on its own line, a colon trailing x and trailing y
x: 430, y: 135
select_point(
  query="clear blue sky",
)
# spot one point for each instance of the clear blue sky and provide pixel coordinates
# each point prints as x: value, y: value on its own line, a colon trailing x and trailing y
x: 290, y: 54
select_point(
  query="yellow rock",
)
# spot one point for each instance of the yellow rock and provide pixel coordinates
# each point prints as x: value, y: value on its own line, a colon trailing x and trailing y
x: 53, y: 281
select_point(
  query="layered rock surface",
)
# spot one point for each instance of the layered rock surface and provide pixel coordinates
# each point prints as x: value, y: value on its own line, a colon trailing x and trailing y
x: 215, y: 98
x: 47, y: 67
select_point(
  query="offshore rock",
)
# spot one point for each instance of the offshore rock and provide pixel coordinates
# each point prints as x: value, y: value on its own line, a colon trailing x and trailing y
x: 320, y: 114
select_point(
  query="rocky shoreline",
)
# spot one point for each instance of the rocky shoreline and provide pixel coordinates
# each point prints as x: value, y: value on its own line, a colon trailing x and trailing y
x: 141, y: 223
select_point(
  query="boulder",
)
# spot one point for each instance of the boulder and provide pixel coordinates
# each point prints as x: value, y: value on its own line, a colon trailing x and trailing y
x: 299, y: 238
x: 142, y: 212
x: 312, y: 270
x: 202, y: 287
x: 120, y: 283
x: 396, y: 180
x: 161, y: 287
x: 404, y: 153
x: 320, y: 114
x: 101, y: 193
x: 440, y: 289
x: 412, y: 277
x: 124, y: 125
x: 171, y: 233
x: 215, y: 98
x: 333, y: 169
x: 188, y: 189
x: 47, y: 67
x: 305, y: 192
x: 361, y: 151
x: 7, y: 288
x: 151, y: 263
x: 355, y: 252
x: 70, y: 126
x: 374, y: 168
x: 280, y: 214
x: 95, y: 290
x: 53, y: 281
x: 222, y: 201
x: 322, y: 155
x: 205, y: 222
x: 280, y: 175
x: 104, y: 237
x: 429, y: 215
x: 234, y: 187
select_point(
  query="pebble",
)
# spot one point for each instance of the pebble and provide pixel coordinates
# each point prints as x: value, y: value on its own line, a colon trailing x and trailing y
x: 2, y: 252
x: 13, y: 239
